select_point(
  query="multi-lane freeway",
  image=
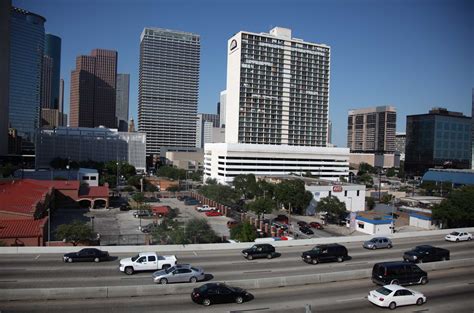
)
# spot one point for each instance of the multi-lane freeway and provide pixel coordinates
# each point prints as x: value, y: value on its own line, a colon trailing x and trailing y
x: 447, y: 290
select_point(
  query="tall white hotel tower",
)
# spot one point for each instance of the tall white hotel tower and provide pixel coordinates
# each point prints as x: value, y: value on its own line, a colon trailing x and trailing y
x: 277, y: 110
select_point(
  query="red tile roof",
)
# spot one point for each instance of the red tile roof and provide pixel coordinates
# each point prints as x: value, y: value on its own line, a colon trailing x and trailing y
x: 21, y: 228
x: 94, y: 192
x: 164, y: 210
x: 22, y: 196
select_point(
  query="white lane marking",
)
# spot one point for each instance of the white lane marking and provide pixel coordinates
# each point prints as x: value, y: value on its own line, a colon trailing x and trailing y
x: 195, y: 253
x: 37, y: 257
x: 352, y: 299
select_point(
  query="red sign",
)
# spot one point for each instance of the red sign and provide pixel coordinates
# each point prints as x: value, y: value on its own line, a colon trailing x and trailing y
x: 337, y: 188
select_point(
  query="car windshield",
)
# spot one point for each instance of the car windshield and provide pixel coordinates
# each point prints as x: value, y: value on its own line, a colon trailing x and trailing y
x: 170, y: 269
x: 384, y: 291
x: 316, y: 249
x: 455, y: 233
x: 373, y: 240
x: 420, y: 249
x: 135, y: 258
x: 203, y: 288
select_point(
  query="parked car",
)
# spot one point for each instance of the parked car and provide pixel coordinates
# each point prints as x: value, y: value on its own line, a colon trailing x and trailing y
x: 280, y: 225
x: 426, y: 253
x: 184, y: 198
x: 212, y: 293
x: 378, y: 243
x: 86, y: 255
x: 214, y: 213
x: 302, y: 224
x: 232, y: 224
x: 142, y: 213
x: 191, y: 202
x: 281, y: 219
x: 263, y: 250
x: 179, y: 273
x: 316, y: 225
x: 458, y: 236
x: 306, y: 230
x: 325, y: 253
x: 391, y: 296
x: 146, y: 261
x: 205, y: 208
x: 398, y: 273
x: 125, y: 207
x: 149, y: 228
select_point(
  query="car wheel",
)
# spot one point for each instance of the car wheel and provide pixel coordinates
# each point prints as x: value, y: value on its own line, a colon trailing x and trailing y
x: 269, y: 256
x: 96, y: 260
x: 314, y: 261
x: 419, y: 301
x: 340, y: 259
x: 395, y: 282
x: 469, y: 239
x: 424, y: 280
x: 389, y: 246
x: 69, y: 260
x: 392, y: 306
x: 165, y: 266
x: 457, y: 239
x: 239, y: 300
x: 193, y: 279
x: 250, y: 257
x: 206, y: 302
x: 374, y: 247
x: 129, y: 270
x: 163, y: 281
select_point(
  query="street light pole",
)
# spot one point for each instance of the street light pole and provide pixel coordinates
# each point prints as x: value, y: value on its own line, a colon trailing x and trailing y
x: 49, y: 225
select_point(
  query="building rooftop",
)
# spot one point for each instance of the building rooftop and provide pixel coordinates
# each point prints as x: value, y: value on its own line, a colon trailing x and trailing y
x: 21, y: 228
x: 309, y: 181
x: 454, y: 176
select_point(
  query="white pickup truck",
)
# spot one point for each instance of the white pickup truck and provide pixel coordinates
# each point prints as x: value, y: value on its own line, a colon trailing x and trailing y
x: 205, y: 208
x: 147, y: 261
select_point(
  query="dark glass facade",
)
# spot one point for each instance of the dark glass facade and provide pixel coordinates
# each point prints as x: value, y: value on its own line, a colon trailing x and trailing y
x: 52, y: 49
x: 438, y: 139
x: 26, y: 58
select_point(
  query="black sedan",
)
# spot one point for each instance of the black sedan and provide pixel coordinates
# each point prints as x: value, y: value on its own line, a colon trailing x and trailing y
x: 213, y: 293
x: 306, y: 230
x: 86, y: 255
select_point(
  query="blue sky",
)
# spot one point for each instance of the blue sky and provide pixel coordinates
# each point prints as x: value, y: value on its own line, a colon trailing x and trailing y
x: 413, y: 55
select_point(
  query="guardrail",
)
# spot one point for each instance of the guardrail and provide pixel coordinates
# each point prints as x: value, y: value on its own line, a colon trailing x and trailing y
x: 163, y: 290
x: 225, y: 246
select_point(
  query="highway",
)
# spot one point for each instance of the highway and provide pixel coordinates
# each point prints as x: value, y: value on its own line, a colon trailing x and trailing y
x: 448, y: 291
x: 48, y: 270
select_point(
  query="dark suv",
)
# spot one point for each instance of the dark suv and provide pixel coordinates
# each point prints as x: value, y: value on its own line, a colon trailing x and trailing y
x: 426, y: 253
x: 398, y: 273
x: 325, y: 253
x: 263, y: 250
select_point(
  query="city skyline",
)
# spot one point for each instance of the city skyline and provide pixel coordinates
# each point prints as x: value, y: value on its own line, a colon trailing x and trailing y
x: 394, y: 58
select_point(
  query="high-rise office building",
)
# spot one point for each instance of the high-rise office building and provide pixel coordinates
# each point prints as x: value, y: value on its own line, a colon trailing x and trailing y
x: 26, y: 60
x: 400, y: 142
x: 5, y: 7
x: 329, y: 132
x: 472, y: 130
x: 205, y: 123
x: 123, y: 89
x: 46, y: 78
x: 372, y: 130
x: 438, y: 139
x: 277, y: 89
x: 168, y: 88
x: 52, y: 49
x: 61, y: 103
x: 222, y: 107
x: 93, y: 90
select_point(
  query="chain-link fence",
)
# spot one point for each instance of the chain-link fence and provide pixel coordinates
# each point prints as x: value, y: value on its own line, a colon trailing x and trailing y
x: 125, y: 240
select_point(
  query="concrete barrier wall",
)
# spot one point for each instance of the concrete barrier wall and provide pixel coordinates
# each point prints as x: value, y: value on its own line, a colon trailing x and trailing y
x: 162, y: 290
x: 225, y: 246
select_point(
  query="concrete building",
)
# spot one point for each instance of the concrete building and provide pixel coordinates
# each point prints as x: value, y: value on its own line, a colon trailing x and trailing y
x: 222, y: 107
x: 373, y: 225
x: 52, y: 50
x: 438, y: 139
x: 83, y: 144
x: 5, y: 7
x: 26, y: 60
x: 452, y: 176
x: 61, y: 102
x: 205, y: 123
x: 400, y: 142
x: 277, y: 89
x: 93, y: 90
x: 372, y: 130
x: 224, y: 161
x: 51, y: 118
x: 385, y: 160
x: 186, y: 160
x: 122, y: 105
x: 168, y: 88
x: 329, y: 132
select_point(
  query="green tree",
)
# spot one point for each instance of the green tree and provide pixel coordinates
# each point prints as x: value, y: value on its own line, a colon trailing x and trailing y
x: 265, y: 189
x: 293, y: 195
x: 7, y: 170
x: 173, y: 188
x: 198, y: 230
x: 386, y: 198
x: 134, y: 181
x: 211, y: 181
x: 370, y: 203
x: 246, y: 185
x: 457, y: 209
x: 262, y: 206
x: 75, y: 233
x: 335, y: 209
x: 139, y: 199
x: 365, y: 168
x: 223, y: 194
x: 243, y: 232
x: 366, y: 179
x: 401, y: 170
x: 391, y: 172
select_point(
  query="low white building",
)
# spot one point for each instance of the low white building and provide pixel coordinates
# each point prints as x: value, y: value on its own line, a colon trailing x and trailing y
x: 421, y: 220
x: 224, y: 161
x: 89, y: 176
x: 351, y: 194
x: 373, y: 225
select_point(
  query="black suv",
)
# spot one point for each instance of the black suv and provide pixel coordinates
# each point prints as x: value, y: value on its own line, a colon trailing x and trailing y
x: 325, y: 253
x: 399, y: 273
x: 263, y: 250
x: 426, y: 253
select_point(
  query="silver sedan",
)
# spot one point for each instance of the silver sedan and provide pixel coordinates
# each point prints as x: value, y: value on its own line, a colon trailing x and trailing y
x: 179, y: 273
x: 377, y: 243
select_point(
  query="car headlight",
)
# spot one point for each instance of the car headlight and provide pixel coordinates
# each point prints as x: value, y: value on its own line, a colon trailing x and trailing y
x: 415, y: 257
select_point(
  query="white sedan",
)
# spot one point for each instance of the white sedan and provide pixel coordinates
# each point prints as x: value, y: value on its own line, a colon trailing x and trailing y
x: 392, y: 296
x: 458, y: 236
